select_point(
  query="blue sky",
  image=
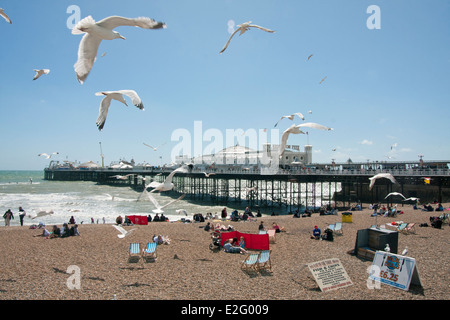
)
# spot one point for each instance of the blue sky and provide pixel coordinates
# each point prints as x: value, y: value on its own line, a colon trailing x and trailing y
x: 384, y: 86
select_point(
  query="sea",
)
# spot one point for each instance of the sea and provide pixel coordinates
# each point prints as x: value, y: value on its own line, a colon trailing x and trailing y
x: 87, y: 202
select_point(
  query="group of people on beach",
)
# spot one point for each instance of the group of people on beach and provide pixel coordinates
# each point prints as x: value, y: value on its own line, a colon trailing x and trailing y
x: 9, y: 215
x: 57, y: 232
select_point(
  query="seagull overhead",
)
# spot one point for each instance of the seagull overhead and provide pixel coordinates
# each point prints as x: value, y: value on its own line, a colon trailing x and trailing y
x: 123, y: 232
x: 154, y: 148
x: 291, y: 117
x: 180, y: 211
x: 294, y: 129
x: 119, y: 177
x: 40, y: 72
x: 243, y: 28
x: 412, y: 199
x: 381, y: 175
x: 42, y: 214
x: 395, y: 194
x: 314, y: 125
x: 322, y: 80
x: 209, y: 174
x: 116, y: 95
x: 48, y: 156
x: 5, y: 16
x: 309, y: 57
x: 162, y: 186
x: 157, y: 205
x: 95, y: 32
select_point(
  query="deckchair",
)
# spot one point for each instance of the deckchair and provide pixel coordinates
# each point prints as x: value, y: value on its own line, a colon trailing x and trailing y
x: 262, y: 232
x: 135, y: 251
x: 331, y: 226
x: 338, y: 227
x: 250, y: 262
x: 410, y: 228
x: 264, y: 260
x: 401, y: 227
x: 149, y: 251
x: 271, y: 233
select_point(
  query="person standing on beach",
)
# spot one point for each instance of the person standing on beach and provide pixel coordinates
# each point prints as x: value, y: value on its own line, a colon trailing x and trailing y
x: 22, y: 214
x: 8, y: 216
x: 224, y: 213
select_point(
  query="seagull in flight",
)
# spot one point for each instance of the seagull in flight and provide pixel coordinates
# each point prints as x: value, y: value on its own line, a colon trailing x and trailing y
x: 209, y: 174
x: 154, y: 149
x: 119, y: 177
x: 123, y: 232
x: 167, y: 185
x: 395, y: 194
x: 95, y: 32
x: 309, y: 57
x: 42, y: 214
x: 48, y: 156
x: 157, y: 205
x: 5, y: 16
x: 180, y: 211
x: 294, y: 129
x: 291, y: 117
x: 243, y: 28
x: 40, y: 72
x: 116, y: 95
x: 379, y: 176
x: 314, y: 125
x: 322, y: 80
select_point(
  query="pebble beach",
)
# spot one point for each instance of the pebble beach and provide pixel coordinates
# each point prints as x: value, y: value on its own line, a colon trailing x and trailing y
x: 35, y: 268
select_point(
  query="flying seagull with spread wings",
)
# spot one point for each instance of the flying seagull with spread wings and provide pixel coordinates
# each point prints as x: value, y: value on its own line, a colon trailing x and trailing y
x: 40, y: 72
x: 46, y: 155
x: 243, y: 28
x: 95, y: 32
x: 294, y: 129
x: 154, y: 148
x: 123, y: 232
x: 116, y: 95
x: 5, y: 16
x: 314, y: 125
x: 157, y: 205
x: 379, y: 176
x: 395, y: 194
x: 291, y: 117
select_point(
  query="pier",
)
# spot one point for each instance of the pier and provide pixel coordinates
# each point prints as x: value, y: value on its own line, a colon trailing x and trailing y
x: 286, y: 190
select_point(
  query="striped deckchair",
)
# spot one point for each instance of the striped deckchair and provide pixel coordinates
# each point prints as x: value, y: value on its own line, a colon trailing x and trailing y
x: 264, y: 261
x: 135, y: 252
x: 250, y: 262
x: 149, y: 251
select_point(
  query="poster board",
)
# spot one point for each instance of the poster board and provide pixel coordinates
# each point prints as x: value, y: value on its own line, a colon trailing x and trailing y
x: 394, y: 270
x: 330, y: 274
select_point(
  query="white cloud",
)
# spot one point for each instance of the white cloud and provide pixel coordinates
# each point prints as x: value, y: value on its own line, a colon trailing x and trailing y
x: 365, y: 141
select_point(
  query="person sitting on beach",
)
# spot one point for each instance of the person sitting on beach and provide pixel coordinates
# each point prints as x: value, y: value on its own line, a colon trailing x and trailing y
x: 316, y: 233
x: 65, y: 231
x: 74, y: 231
x: 242, y: 242
x: 162, y: 217
x: 72, y: 220
x: 328, y: 234
x: 119, y: 220
x: 56, y: 232
x: 228, y: 247
x: 44, y: 234
x: 261, y: 227
x: 156, y: 218
x: 277, y: 228
x: 207, y: 227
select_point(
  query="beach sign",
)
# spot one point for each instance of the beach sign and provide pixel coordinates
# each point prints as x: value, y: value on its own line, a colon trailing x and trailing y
x: 330, y: 274
x: 394, y: 270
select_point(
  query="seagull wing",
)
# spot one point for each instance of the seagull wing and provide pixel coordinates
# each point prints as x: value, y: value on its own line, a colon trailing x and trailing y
x: 300, y: 115
x: 5, y: 16
x: 294, y: 129
x: 149, y: 146
x: 44, y: 155
x: 229, y: 39
x: 120, y: 229
x: 153, y: 200
x: 141, y: 22
x: 134, y: 98
x: 173, y: 201
x: 87, y: 53
x: 103, y: 110
x: 170, y: 176
x: 314, y: 125
x: 259, y: 27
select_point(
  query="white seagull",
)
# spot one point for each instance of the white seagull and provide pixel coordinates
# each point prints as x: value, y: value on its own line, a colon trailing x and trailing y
x: 40, y: 72
x: 154, y: 149
x: 294, y: 129
x: 412, y: 199
x: 95, y: 32
x: 123, y: 232
x: 167, y: 185
x: 291, y: 117
x: 242, y: 28
x: 42, y: 214
x: 381, y: 175
x: 120, y: 177
x: 157, y: 205
x: 48, y: 156
x: 314, y: 125
x: 180, y: 211
x: 395, y: 194
x: 5, y: 16
x: 208, y: 174
x: 116, y: 95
